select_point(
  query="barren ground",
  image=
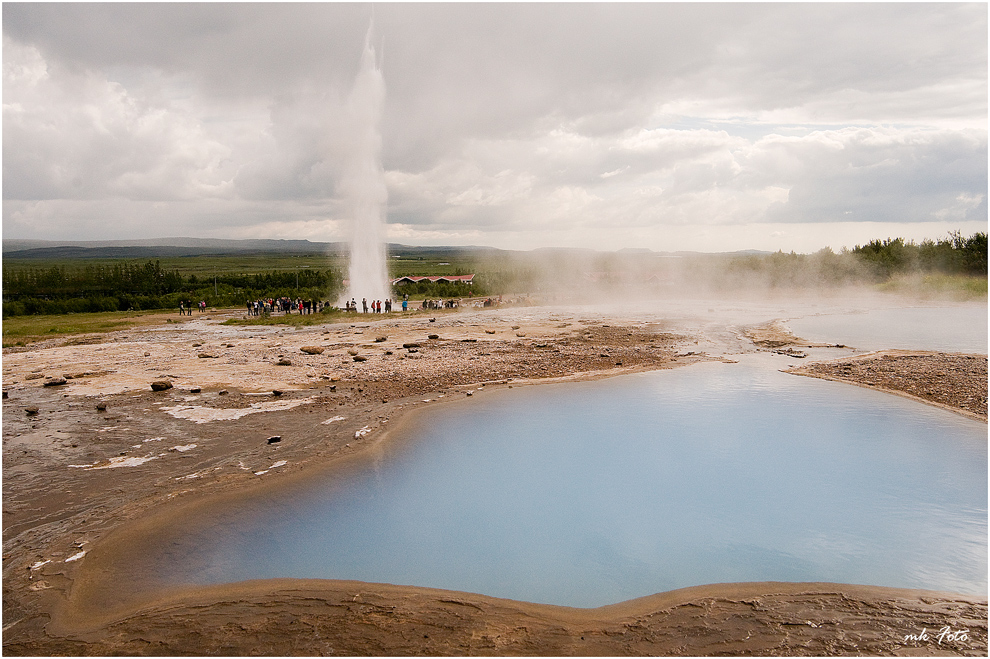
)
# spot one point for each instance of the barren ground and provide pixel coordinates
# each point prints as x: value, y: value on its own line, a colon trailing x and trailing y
x: 75, y: 473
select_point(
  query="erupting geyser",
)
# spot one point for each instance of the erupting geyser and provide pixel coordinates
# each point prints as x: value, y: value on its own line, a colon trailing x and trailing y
x: 363, y: 182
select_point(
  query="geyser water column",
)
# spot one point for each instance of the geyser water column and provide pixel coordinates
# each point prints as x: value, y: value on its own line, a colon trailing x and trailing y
x: 363, y: 182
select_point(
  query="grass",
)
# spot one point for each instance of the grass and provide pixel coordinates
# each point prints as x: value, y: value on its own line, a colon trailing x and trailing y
x: 22, y: 330
x: 934, y: 286
x: 204, y: 267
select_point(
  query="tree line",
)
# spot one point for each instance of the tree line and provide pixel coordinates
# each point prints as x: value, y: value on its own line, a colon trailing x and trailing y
x: 953, y: 255
x: 135, y: 286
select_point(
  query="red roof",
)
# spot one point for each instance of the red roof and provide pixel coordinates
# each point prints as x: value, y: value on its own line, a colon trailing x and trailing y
x: 467, y: 279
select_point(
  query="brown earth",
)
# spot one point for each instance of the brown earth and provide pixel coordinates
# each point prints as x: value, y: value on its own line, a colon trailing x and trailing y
x: 953, y: 381
x: 76, y: 477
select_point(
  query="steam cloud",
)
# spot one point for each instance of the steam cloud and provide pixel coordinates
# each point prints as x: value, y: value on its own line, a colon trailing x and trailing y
x: 363, y: 181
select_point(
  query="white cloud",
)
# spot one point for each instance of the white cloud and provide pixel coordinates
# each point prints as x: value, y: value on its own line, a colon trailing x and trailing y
x: 582, y: 124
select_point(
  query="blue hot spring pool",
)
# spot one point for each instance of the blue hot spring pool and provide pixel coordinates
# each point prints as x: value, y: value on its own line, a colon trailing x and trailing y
x: 591, y: 493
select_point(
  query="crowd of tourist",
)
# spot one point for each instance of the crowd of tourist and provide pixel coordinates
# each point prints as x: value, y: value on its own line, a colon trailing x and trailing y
x: 285, y: 305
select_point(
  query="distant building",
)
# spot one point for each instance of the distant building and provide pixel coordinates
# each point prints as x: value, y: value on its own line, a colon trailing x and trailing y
x: 463, y: 279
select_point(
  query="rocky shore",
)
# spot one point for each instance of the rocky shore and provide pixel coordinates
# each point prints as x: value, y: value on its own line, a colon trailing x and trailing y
x: 953, y: 381
x: 90, y: 448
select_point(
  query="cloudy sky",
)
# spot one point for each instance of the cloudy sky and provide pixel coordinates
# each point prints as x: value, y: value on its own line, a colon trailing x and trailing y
x: 702, y: 126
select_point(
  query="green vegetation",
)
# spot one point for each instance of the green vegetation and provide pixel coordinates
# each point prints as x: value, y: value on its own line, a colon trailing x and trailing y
x: 955, y: 266
x: 22, y: 330
x: 953, y: 255
x: 129, y: 286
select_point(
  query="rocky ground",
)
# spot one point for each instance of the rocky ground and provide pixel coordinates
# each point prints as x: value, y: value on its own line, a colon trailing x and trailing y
x: 957, y: 382
x: 90, y: 448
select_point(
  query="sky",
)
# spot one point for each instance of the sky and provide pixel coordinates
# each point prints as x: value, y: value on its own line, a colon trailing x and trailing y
x: 667, y: 126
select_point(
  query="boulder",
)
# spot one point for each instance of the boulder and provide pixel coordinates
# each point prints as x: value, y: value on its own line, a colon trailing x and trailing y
x: 161, y: 385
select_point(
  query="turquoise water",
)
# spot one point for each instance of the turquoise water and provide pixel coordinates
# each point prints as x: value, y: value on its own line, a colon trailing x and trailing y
x: 591, y: 493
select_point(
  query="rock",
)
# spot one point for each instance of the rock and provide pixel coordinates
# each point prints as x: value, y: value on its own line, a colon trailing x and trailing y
x: 161, y: 385
x: 433, y: 336
x: 195, y: 390
x: 196, y: 345
x: 313, y: 350
x: 33, y: 376
x: 410, y: 345
x: 207, y: 355
x: 222, y: 392
x: 101, y: 407
x: 5, y: 395
x: 360, y: 358
x: 147, y: 354
x: 381, y: 339
x: 31, y: 411
x: 333, y: 387
x: 284, y: 362
x: 489, y: 331
x: 277, y: 392
x: 469, y: 340
x: 274, y: 439
x: 352, y: 352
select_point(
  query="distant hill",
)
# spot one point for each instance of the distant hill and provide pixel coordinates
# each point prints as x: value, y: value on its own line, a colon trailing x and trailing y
x: 20, y: 249
x: 123, y: 249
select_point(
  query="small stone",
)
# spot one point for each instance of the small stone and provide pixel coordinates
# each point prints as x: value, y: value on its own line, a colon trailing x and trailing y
x: 161, y: 385
x: 333, y: 387
x: 101, y: 407
x: 31, y: 411
x: 489, y: 331
x: 381, y: 339
x: 277, y: 392
x: 433, y: 336
x: 284, y: 362
x: 195, y: 390
x: 274, y: 439
x: 147, y: 354
x: 313, y: 350
x: 410, y: 345
x: 33, y: 376
x: 207, y: 355
x: 5, y: 394
x: 222, y: 392
x: 360, y: 358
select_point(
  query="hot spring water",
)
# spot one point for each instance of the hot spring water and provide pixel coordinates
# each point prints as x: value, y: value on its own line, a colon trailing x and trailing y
x: 591, y: 493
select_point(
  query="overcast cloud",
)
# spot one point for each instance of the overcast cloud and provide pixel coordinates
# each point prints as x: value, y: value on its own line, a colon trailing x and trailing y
x: 668, y: 126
